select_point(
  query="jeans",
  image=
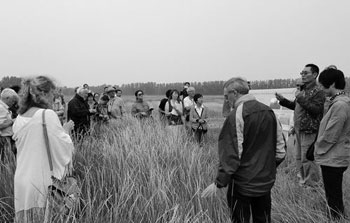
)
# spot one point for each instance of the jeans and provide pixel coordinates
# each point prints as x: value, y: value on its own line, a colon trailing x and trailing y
x: 242, y: 207
x: 333, y: 180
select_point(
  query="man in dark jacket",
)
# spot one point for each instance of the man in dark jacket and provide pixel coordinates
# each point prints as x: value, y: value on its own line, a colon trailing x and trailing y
x: 308, y: 109
x: 251, y: 145
x: 78, y: 112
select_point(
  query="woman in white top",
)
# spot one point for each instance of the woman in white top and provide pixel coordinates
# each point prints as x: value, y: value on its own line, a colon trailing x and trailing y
x: 33, y: 176
x: 174, y: 109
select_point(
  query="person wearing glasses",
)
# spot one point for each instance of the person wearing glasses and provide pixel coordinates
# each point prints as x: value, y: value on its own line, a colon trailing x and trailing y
x: 141, y: 109
x: 332, y: 148
x: 308, y: 111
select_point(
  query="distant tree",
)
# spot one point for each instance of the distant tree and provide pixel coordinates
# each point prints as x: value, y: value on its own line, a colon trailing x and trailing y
x: 9, y: 81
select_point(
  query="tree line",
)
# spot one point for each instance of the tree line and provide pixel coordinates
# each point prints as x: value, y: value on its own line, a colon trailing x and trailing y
x: 153, y: 88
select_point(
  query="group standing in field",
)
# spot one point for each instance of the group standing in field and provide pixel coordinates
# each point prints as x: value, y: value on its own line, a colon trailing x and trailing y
x: 251, y: 143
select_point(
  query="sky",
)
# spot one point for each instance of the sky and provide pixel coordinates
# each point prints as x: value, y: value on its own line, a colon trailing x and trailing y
x: 126, y: 41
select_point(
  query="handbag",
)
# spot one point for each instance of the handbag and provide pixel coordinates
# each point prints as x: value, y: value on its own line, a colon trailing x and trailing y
x: 310, y: 151
x: 63, y: 198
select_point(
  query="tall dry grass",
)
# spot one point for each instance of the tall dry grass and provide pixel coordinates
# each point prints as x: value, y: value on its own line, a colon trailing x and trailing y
x: 136, y: 171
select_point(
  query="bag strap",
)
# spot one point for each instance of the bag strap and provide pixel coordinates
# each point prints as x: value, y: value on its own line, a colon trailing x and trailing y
x: 47, y: 142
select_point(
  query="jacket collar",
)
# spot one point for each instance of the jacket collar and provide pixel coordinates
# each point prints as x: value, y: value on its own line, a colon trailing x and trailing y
x: 80, y: 98
x: 310, y: 85
x: 196, y: 106
x: 244, y: 98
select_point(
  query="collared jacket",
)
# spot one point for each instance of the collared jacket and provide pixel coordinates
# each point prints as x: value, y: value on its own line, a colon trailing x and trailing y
x: 251, y: 145
x: 332, y: 147
x: 308, y: 108
x: 194, y: 117
x: 78, y: 111
x: 116, y: 107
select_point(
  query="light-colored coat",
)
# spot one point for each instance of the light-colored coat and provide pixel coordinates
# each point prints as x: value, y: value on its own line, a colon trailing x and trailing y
x: 33, y: 176
x: 194, y: 116
x: 332, y: 147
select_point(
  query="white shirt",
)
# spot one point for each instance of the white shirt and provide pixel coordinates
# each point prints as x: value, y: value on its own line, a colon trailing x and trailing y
x: 176, y: 105
x: 199, y: 110
x: 188, y: 102
x: 33, y: 175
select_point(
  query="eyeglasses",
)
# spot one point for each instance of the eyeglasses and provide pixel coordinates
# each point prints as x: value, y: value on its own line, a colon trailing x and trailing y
x: 304, y: 72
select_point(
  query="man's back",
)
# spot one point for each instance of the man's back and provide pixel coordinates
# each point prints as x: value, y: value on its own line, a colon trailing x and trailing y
x: 247, y: 144
x: 78, y: 111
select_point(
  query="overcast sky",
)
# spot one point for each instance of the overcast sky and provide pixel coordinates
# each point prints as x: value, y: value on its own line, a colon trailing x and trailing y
x: 126, y: 41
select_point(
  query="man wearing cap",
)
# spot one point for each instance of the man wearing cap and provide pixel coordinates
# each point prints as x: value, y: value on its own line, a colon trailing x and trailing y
x: 8, y: 98
x: 115, y: 104
x: 79, y: 113
x: 141, y: 109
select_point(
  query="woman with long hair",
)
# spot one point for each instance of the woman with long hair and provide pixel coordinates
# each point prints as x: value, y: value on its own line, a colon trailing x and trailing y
x: 174, y: 108
x: 33, y: 175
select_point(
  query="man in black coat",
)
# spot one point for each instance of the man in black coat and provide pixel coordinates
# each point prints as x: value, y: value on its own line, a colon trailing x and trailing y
x: 78, y: 112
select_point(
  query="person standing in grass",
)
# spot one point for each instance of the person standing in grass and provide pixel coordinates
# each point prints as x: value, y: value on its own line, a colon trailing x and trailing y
x: 188, y: 104
x: 183, y: 93
x: 8, y: 98
x: 57, y: 106
x: 33, y: 175
x: 79, y: 112
x: 199, y: 118
x: 308, y: 111
x: 115, y: 104
x: 251, y: 146
x: 161, y: 108
x: 332, y: 148
x: 141, y: 109
x: 174, y: 108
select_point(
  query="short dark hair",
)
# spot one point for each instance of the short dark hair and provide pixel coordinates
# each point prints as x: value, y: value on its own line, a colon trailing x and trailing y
x: 332, y: 76
x: 136, y: 92
x: 116, y: 90
x: 168, y: 93
x: 314, y: 68
x: 187, y: 83
x: 196, y: 96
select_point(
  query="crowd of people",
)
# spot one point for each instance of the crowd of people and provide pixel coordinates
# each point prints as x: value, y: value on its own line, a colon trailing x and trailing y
x: 178, y: 108
x: 251, y: 142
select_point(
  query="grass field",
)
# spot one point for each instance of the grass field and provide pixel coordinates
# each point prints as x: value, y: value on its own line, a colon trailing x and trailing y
x: 136, y: 171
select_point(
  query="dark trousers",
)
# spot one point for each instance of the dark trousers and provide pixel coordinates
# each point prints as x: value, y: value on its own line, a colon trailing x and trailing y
x: 242, y: 207
x: 199, y: 135
x: 333, y: 181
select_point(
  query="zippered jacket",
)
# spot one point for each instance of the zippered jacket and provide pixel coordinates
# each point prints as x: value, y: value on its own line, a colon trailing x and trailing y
x: 251, y: 145
x: 332, y: 147
x: 308, y: 108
